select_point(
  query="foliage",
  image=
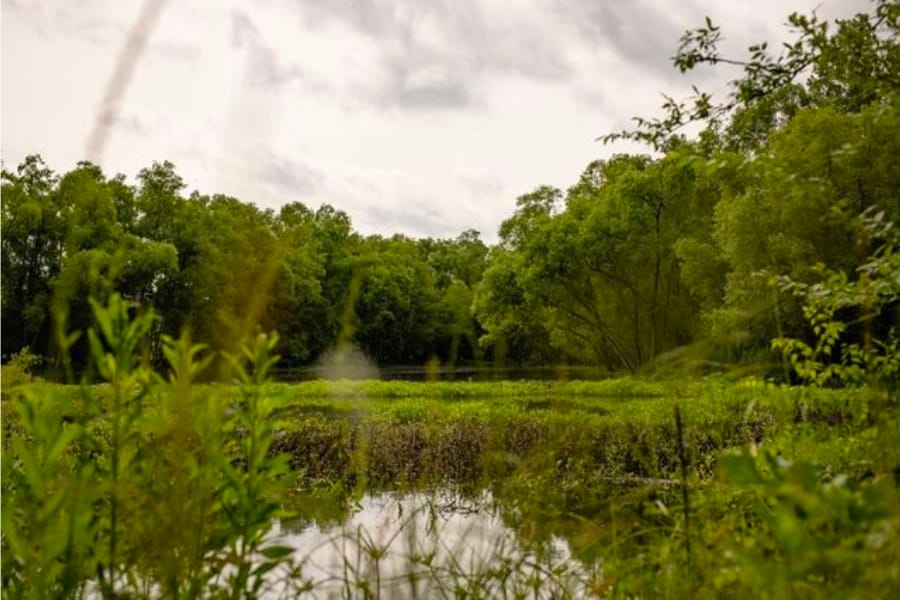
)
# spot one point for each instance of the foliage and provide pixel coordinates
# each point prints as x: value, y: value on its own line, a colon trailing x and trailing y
x: 642, y: 263
x: 815, y: 529
x: 875, y: 291
x: 803, y: 495
x: 850, y: 67
x: 142, y: 484
x: 19, y: 368
x: 220, y: 267
x: 775, y: 228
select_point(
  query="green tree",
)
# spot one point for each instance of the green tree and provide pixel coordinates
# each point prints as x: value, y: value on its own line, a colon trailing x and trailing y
x: 505, y: 303
x: 601, y: 275
x: 298, y: 301
x: 396, y: 308
x: 797, y: 211
x: 32, y: 241
x: 847, y: 65
x: 458, y: 266
x: 158, y: 200
x: 510, y: 314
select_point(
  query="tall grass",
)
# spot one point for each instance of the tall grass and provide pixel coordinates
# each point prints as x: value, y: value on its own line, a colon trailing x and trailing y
x: 140, y: 486
x: 151, y: 485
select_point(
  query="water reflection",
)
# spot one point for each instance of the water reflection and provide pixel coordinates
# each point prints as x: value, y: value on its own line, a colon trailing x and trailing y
x: 423, y: 545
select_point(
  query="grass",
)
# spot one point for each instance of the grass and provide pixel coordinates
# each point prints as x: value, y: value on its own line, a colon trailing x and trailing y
x: 763, y: 491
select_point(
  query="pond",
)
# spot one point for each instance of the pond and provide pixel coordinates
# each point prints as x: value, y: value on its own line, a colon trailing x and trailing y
x: 422, y: 545
x: 474, y: 372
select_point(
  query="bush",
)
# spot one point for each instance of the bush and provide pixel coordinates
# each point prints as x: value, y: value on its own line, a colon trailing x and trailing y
x: 19, y: 369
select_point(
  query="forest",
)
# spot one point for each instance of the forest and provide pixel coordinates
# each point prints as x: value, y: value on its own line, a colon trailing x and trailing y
x: 692, y: 247
x: 738, y: 283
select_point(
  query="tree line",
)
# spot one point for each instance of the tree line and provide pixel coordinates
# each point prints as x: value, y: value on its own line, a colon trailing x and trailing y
x: 221, y: 267
x: 694, y: 252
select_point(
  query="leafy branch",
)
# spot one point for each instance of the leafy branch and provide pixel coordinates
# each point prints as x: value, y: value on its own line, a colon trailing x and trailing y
x: 876, y: 287
x: 824, y: 58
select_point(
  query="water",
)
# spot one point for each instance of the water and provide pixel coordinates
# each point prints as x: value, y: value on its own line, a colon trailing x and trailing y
x: 421, y: 545
x: 443, y: 373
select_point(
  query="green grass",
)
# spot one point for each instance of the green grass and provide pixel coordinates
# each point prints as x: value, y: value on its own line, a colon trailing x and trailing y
x: 790, y: 491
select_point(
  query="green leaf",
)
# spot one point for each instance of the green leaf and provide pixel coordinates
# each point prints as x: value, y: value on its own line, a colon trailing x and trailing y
x: 102, y: 316
x: 740, y: 469
x: 277, y: 552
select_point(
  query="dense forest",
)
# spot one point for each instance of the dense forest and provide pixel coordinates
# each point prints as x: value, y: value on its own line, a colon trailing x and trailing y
x: 700, y: 253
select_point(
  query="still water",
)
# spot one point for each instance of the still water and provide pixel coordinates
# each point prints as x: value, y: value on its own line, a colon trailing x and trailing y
x: 358, y: 371
x: 421, y: 546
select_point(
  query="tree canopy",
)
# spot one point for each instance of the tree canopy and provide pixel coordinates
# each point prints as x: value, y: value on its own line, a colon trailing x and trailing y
x: 699, y: 245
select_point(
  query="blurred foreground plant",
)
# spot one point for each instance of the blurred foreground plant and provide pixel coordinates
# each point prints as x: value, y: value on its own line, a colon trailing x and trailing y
x: 146, y: 487
x: 806, y: 528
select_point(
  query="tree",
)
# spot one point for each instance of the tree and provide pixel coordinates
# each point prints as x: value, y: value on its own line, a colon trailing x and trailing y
x: 798, y: 209
x: 458, y: 266
x: 848, y: 67
x: 32, y: 241
x: 601, y: 275
x: 510, y: 315
x: 158, y: 201
x: 872, y: 297
x: 396, y: 307
x: 804, y: 142
x: 509, y: 312
x: 298, y: 302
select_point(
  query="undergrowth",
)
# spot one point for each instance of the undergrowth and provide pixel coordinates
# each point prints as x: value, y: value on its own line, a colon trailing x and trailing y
x: 152, y: 485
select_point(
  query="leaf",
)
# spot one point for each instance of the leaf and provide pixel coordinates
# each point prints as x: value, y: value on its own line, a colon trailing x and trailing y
x: 262, y: 570
x: 740, y: 469
x: 98, y: 355
x: 62, y: 442
x: 70, y: 339
x: 276, y: 552
x: 102, y: 316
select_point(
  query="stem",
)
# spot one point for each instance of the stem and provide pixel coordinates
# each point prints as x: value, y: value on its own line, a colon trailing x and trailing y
x: 113, y: 500
x: 682, y: 458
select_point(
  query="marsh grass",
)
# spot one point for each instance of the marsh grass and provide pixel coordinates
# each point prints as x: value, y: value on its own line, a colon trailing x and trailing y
x: 152, y: 485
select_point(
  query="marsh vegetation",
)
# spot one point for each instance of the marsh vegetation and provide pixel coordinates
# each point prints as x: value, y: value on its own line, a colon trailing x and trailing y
x: 545, y: 489
x: 739, y: 291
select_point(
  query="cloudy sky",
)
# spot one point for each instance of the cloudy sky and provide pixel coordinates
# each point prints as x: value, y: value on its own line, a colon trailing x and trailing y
x: 419, y: 117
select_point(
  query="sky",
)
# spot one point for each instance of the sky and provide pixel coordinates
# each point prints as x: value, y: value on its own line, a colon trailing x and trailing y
x: 425, y: 118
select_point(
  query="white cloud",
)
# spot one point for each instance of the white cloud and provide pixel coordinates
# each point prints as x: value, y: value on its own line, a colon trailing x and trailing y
x: 418, y: 118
